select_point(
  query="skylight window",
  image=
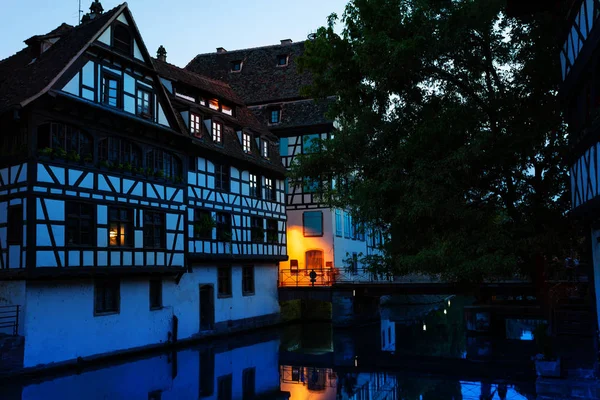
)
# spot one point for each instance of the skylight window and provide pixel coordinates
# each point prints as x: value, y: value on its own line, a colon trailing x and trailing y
x: 246, y: 140
x: 236, y: 66
x: 282, y: 60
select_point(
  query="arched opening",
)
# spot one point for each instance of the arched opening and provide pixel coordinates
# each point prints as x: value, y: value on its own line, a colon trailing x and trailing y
x: 64, y: 140
x: 119, y: 151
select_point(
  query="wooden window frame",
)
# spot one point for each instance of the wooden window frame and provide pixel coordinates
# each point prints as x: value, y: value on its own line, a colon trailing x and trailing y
x: 280, y: 57
x: 247, y: 142
x: 195, y: 126
x: 276, y: 112
x: 254, y: 190
x: 264, y: 149
x: 142, y: 89
x: 78, y: 217
x: 216, y: 132
x: 104, y: 283
x: 128, y: 152
x: 239, y: 63
x: 248, y: 280
x: 162, y: 230
x: 128, y: 225
x: 224, y: 226
x: 304, y: 223
x: 197, y: 213
x: 105, y: 95
x: 249, y: 390
x: 222, y: 177
x: 270, y: 192
x: 224, y: 278
x: 257, y: 225
x: 121, y: 25
x: 272, y: 228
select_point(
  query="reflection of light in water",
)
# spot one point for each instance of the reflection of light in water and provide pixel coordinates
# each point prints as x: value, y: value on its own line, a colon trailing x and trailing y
x: 526, y: 335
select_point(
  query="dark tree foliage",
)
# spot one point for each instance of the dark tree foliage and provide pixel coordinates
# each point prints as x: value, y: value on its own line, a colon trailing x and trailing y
x: 450, y: 137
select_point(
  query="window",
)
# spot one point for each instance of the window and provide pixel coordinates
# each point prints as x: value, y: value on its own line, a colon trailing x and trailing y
x: 119, y: 151
x: 155, y: 294
x: 155, y: 395
x: 264, y: 148
x: 15, y: 224
x: 81, y: 224
x: 254, y: 186
x: 354, y: 263
x: 311, y: 185
x: 214, y: 104
x: 224, y: 388
x: 309, y: 144
x: 106, y: 296
x: 203, y: 224
x: 120, y: 222
x: 111, y: 88
x: 65, y: 139
x: 122, y: 39
x: 275, y: 116
x: 247, y: 280
x: 144, y: 103
x: 312, y: 222
x: 222, y: 177
x: 347, y: 224
x: 226, y: 109
x: 269, y: 190
x: 154, y: 230
x: 257, y: 231
x: 224, y: 227
x: 314, y: 260
x: 195, y: 124
x: 246, y: 142
x: 224, y: 281
x: 207, y: 373
x: 216, y: 132
x: 282, y: 60
x: 338, y: 223
x: 236, y: 66
x: 248, y: 383
x: 163, y: 164
x: 272, y: 231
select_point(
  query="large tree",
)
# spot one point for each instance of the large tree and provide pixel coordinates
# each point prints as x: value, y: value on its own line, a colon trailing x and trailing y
x: 450, y: 136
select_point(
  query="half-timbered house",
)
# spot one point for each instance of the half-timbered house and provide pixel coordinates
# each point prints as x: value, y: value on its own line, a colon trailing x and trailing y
x: 136, y: 204
x: 319, y: 238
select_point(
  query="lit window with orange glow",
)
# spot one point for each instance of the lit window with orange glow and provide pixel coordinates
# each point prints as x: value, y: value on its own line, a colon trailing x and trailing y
x: 120, y: 230
x: 226, y: 110
x: 214, y: 104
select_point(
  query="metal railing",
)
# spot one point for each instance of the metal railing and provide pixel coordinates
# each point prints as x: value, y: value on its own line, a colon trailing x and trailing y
x: 9, y: 318
x: 330, y: 276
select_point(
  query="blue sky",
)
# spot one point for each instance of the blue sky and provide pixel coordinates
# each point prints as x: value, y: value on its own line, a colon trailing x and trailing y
x: 184, y: 27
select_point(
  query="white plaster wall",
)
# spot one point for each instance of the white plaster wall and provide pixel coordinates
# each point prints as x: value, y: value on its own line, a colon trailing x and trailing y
x: 12, y: 293
x: 186, y: 296
x: 60, y: 323
x: 345, y: 247
x: 135, y: 380
x: 297, y: 244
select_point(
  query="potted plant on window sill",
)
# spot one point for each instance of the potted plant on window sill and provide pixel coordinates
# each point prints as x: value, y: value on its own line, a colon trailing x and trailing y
x: 272, y: 237
x: 203, y: 226
x: 226, y: 238
x: 258, y: 233
x: 546, y: 363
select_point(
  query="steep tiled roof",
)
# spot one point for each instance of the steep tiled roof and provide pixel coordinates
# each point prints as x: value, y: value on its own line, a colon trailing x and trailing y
x: 260, y: 80
x: 295, y: 114
x: 23, y: 77
x: 217, y: 88
x: 244, y: 118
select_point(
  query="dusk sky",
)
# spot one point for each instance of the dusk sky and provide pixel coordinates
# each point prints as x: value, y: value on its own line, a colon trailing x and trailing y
x: 184, y: 27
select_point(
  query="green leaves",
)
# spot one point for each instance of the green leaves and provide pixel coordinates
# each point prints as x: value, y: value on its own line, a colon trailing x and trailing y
x: 451, y: 130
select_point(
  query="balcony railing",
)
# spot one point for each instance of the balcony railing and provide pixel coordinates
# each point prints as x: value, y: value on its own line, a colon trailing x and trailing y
x: 9, y: 319
x: 329, y: 277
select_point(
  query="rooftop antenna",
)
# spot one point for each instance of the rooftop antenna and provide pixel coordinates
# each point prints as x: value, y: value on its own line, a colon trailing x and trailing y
x: 80, y: 11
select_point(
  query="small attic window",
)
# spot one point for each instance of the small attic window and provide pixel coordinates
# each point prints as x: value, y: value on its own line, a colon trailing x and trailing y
x: 122, y: 39
x: 282, y: 60
x: 214, y: 104
x: 236, y: 66
x: 226, y: 109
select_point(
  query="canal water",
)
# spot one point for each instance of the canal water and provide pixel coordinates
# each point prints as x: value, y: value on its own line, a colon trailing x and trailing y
x: 420, y: 350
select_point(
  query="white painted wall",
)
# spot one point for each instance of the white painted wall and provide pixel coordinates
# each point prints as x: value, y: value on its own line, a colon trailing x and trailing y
x: 186, y: 296
x: 135, y: 380
x: 60, y: 323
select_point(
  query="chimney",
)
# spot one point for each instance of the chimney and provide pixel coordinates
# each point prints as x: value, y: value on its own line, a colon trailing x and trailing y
x: 221, y: 50
x: 96, y: 9
x: 286, y: 41
x: 161, y: 54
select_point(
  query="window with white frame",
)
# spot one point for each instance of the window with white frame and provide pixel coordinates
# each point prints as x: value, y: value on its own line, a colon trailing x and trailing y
x: 254, y: 188
x: 246, y: 142
x: 195, y: 124
x: 216, y: 132
x: 269, y: 190
x: 264, y: 148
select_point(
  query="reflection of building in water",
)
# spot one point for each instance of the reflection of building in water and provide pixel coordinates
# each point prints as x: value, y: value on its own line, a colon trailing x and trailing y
x: 325, y: 384
x: 239, y: 373
x: 388, y: 335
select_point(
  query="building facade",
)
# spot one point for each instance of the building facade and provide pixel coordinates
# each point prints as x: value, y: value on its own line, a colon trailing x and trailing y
x: 319, y: 238
x: 139, y: 203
